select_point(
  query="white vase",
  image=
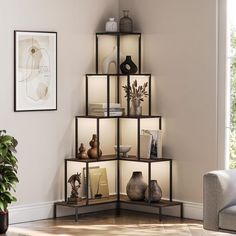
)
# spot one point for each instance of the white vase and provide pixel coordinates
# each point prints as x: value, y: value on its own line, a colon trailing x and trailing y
x: 111, y: 25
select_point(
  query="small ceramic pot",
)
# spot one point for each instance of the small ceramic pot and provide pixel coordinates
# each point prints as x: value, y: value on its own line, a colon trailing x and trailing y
x: 155, y: 192
x: 111, y: 25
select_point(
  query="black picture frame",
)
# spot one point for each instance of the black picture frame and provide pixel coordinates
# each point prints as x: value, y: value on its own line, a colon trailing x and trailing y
x: 35, y: 71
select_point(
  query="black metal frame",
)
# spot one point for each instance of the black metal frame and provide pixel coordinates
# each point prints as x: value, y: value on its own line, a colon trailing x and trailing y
x: 118, y: 35
x: 116, y: 157
x: 15, y: 73
x: 118, y: 198
x: 128, y: 77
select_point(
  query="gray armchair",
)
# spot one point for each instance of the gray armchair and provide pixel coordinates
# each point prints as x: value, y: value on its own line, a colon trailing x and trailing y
x: 219, y: 200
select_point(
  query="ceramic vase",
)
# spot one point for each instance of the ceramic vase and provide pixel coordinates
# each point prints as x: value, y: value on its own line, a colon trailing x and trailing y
x: 126, y: 23
x: 155, y: 192
x: 92, y: 152
x: 4, y: 222
x: 136, y: 187
x: 111, y: 25
x: 128, y: 66
x: 135, y: 108
x: 82, y: 152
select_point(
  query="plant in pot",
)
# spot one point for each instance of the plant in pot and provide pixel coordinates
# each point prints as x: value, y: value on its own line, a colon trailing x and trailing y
x: 8, y: 176
x: 136, y: 94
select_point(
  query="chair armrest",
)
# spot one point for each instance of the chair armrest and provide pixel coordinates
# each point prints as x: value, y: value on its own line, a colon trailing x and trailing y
x: 219, y: 191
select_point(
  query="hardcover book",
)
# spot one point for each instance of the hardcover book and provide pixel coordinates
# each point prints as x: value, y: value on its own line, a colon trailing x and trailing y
x: 156, y: 147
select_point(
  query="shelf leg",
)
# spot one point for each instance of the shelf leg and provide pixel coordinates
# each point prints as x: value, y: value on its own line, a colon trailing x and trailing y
x: 54, y: 211
x: 181, y: 211
x: 170, y: 180
x: 117, y: 209
x: 76, y: 214
x: 160, y: 214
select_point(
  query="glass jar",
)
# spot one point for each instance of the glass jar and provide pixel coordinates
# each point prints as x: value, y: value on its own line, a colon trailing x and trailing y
x: 126, y: 23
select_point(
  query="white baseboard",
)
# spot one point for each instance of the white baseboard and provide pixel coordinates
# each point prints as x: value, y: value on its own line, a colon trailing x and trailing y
x: 39, y: 211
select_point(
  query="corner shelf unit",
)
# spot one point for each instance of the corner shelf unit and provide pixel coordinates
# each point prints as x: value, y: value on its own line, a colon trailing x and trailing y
x: 118, y: 197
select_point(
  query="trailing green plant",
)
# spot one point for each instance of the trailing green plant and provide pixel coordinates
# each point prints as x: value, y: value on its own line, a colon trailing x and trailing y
x: 136, y: 92
x: 8, y: 169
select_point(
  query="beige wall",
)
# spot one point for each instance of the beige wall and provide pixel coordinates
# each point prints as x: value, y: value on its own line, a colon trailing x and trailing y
x: 46, y: 138
x: 179, y: 49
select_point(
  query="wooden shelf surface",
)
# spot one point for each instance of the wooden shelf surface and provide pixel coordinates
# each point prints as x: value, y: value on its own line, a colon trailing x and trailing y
x: 114, y: 158
x: 118, y: 33
x: 162, y: 203
x: 123, y: 199
x: 121, y: 117
x: 117, y: 74
x: 134, y: 158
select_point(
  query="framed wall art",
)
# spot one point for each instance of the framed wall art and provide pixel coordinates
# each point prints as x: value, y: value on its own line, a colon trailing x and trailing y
x: 35, y: 70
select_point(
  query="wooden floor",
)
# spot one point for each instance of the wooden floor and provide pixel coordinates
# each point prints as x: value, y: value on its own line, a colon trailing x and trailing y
x: 107, y: 223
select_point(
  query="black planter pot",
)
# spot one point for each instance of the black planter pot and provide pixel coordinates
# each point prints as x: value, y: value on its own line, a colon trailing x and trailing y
x: 3, y: 222
x: 128, y: 66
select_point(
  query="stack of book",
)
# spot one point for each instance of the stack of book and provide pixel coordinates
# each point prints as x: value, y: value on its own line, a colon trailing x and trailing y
x: 100, y: 109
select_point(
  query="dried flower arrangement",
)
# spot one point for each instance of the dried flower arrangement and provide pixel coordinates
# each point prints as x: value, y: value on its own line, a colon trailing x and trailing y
x: 136, y: 92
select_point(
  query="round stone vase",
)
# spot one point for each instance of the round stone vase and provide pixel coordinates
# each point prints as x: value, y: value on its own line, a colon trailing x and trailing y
x: 136, y: 187
x: 155, y: 192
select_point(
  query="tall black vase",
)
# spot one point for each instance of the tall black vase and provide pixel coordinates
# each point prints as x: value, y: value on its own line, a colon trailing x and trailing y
x: 128, y: 67
x: 3, y: 222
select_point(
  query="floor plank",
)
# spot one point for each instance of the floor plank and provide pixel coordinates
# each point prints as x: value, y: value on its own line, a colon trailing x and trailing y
x: 108, y: 223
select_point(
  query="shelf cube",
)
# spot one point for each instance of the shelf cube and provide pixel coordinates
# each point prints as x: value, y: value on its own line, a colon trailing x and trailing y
x: 115, y: 46
x: 111, y: 91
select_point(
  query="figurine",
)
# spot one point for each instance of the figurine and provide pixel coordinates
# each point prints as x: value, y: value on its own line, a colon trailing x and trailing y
x: 75, y: 182
x: 92, y: 152
x: 82, y: 152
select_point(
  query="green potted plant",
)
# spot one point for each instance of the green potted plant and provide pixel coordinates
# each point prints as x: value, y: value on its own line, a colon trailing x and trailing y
x: 8, y: 176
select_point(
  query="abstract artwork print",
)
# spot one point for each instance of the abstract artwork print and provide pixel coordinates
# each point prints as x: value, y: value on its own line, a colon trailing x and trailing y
x: 35, y: 71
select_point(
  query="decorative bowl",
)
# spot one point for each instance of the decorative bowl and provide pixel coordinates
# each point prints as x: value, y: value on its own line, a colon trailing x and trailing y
x: 124, y: 149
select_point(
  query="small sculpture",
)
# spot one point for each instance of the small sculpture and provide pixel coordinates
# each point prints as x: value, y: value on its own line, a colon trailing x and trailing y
x: 75, y: 182
x: 112, y: 58
x: 82, y: 152
x: 92, y: 152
